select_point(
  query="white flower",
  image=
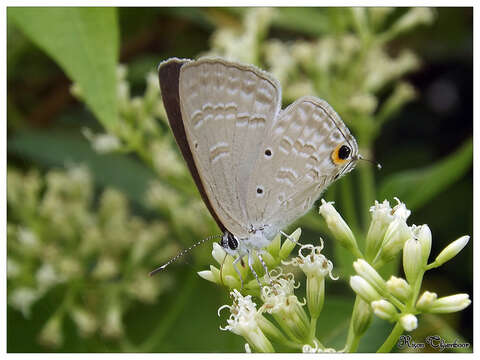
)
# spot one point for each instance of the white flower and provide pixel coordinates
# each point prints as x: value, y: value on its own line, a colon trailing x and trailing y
x: 284, y: 306
x: 23, y: 298
x: 243, y: 321
x: 102, y: 143
x: 316, y: 267
x: 314, y: 263
x: 382, y: 215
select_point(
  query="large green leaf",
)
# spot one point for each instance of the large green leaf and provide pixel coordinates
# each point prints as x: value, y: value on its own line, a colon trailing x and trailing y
x: 84, y: 42
x: 418, y: 187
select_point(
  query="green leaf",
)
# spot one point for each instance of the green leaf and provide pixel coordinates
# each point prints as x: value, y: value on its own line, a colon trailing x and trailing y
x: 418, y: 187
x: 84, y: 42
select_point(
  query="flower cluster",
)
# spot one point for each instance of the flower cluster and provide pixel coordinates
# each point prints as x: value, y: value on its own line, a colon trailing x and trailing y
x: 291, y: 324
x: 98, y: 259
x: 396, y: 300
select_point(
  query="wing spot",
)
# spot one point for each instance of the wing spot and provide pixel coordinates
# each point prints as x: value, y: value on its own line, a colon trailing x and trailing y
x: 260, y: 191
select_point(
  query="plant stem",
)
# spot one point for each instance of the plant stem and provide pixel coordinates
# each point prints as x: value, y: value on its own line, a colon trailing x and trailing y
x: 313, y: 328
x: 392, y: 339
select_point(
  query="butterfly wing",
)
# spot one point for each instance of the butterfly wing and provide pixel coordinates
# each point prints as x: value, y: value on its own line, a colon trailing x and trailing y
x: 228, y: 110
x: 295, y: 164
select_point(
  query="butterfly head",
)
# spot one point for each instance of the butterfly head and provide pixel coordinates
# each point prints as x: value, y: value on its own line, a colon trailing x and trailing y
x: 344, y: 157
x: 229, y: 243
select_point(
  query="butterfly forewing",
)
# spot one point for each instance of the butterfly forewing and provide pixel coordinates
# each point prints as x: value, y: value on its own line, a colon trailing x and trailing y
x: 228, y: 109
x: 295, y: 165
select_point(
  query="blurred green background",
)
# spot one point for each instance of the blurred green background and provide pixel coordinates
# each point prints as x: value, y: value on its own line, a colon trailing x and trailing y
x: 85, y: 225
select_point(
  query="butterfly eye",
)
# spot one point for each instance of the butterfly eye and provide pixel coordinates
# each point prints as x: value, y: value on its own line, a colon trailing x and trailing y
x: 340, y: 154
x: 232, y: 242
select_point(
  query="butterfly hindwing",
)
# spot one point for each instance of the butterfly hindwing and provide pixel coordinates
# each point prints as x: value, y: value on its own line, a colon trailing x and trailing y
x: 295, y: 165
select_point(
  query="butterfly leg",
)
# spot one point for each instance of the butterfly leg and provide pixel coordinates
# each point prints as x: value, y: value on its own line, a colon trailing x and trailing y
x: 239, y: 258
x: 290, y: 238
x: 250, y: 264
x: 265, y: 268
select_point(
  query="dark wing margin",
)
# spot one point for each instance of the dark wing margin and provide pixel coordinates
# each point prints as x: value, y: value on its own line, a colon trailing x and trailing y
x: 169, y: 75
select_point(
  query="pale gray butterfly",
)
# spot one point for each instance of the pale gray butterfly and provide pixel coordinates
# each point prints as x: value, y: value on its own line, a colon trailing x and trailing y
x: 257, y: 167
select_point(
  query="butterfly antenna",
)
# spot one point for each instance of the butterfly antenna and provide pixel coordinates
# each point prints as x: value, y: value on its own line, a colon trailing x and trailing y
x: 378, y: 165
x: 181, y: 253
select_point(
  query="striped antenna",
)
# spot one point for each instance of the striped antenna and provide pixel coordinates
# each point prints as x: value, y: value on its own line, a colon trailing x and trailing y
x: 181, y: 253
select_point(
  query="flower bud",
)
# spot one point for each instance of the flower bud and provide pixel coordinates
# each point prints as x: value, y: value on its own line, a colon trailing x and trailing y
x: 449, y: 304
x: 338, y: 226
x: 363, y: 289
x: 412, y: 18
x: 426, y: 300
x: 365, y: 270
x: 409, y: 322
x: 384, y: 310
x: 412, y: 259
x: 399, y: 288
x: 289, y: 245
x: 381, y: 217
x: 362, y: 316
x: 451, y: 250
x: 424, y: 236
x: 397, y: 233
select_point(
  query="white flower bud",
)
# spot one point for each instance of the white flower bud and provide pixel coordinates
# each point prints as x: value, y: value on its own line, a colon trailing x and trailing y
x: 51, y: 334
x: 361, y: 317
x: 338, y: 226
x: 399, y: 288
x: 424, y: 236
x: 397, y: 233
x: 288, y: 245
x: 363, y: 289
x: 384, y: 310
x: 365, y: 270
x: 382, y: 216
x: 426, y: 300
x: 409, y: 322
x: 412, y: 259
x: 449, y: 304
x: 413, y: 17
x: 451, y: 250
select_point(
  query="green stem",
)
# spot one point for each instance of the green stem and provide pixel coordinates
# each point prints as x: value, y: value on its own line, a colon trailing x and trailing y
x: 392, y: 339
x: 313, y: 328
x: 352, y: 339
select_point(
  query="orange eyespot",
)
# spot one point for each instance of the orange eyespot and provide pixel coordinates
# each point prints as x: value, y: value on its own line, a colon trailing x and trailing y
x: 340, y: 154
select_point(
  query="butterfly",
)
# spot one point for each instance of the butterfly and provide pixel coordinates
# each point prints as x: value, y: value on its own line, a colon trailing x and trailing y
x: 257, y: 167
